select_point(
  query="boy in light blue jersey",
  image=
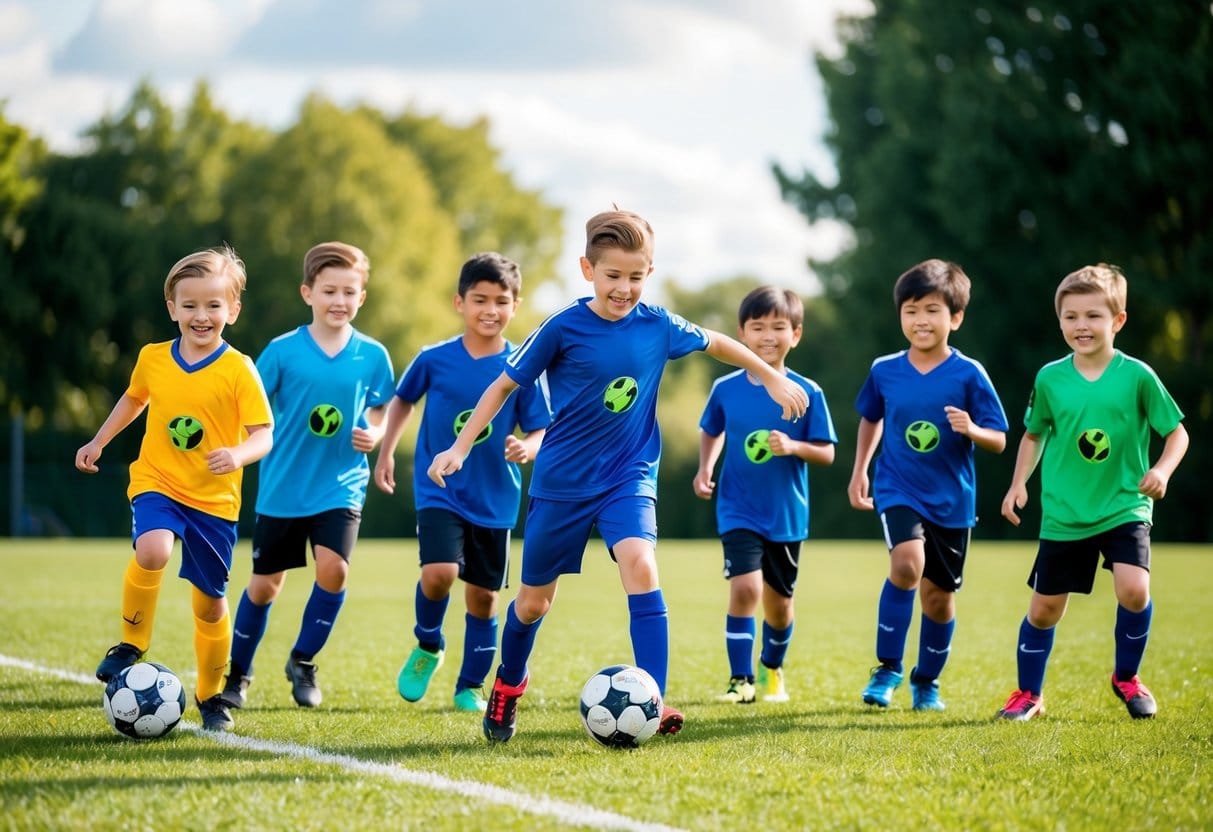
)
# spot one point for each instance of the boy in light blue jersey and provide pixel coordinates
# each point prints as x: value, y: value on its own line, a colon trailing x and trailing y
x: 762, y: 509
x: 329, y: 385
x: 932, y: 405
x: 603, y: 358
x: 464, y: 531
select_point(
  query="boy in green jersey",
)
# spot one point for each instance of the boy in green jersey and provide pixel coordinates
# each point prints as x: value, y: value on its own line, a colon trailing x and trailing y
x: 1089, y: 417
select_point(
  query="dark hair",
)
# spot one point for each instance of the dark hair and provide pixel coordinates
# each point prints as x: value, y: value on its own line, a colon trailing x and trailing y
x: 931, y: 276
x: 490, y: 267
x: 769, y: 300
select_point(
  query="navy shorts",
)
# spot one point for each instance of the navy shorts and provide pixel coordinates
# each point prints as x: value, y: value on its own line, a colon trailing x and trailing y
x: 746, y: 551
x: 1064, y: 566
x: 557, y: 531
x: 946, y: 548
x: 206, y: 540
x: 280, y: 543
x: 483, y: 554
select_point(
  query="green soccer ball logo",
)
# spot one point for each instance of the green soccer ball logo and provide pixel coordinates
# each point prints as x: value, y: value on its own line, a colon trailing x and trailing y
x: 185, y: 432
x: 922, y: 436
x: 1093, y: 444
x: 620, y: 394
x: 324, y: 420
x: 757, y: 449
x: 462, y: 419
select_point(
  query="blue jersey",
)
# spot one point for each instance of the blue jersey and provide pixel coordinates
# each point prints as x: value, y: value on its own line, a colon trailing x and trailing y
x: 757, y: 490
x: 489, y: 489
x: 603, y: 378
x: 318, y: 400
x: 923, y: 464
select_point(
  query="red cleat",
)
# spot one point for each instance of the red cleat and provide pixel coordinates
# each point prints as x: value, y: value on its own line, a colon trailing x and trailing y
x: 671, y: 720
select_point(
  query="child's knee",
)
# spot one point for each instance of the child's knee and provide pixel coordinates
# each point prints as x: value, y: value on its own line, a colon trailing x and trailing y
x: 1046, y: 610
x: 207, y: 608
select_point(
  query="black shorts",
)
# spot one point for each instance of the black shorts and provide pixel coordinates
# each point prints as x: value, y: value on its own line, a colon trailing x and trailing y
x: 746, y: 551
x: 483, y: 554
x: 945, y: 548
x: 1069, y: 565
x: 280, y: 543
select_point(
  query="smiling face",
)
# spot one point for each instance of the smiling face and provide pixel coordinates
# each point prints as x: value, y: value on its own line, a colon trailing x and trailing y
x: 202, y: 307
x: 618, y: 277
x: 487, y: 309
x: 336, y: 295
x: 927, y: 322
x: 1089, y: 326
x: 770, y: 337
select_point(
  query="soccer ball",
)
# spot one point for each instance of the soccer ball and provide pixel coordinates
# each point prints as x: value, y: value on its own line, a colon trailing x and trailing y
x: 621, y: 706
x: 185, y: 432
x: 324, y: 420
x: 620, y: 394
x: 144, y: 701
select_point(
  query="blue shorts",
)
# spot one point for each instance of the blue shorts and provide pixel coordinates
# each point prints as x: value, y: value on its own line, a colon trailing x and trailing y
x: 206, y: 540
x: 557, y: 531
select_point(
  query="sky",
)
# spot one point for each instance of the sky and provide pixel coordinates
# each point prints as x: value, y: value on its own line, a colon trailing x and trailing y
x: 675, y: 109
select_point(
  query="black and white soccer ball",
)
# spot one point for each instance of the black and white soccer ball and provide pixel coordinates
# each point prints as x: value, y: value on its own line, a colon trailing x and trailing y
x: 144, y: 701
x: 621, y: 706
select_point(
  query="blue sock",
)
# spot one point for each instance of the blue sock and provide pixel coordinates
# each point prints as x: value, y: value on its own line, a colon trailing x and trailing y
x: 775, y: 644
x: 479, y: 646
x: 429, y: 621
x: 1132, y: 633
x: 893, y: 616
x: 650, y: 629
x: 318, y: 618
x: 247, y: 631
x: 739, y: 644
x: 934, y: 644
x: 1034, y: 648
x: 517, y: 642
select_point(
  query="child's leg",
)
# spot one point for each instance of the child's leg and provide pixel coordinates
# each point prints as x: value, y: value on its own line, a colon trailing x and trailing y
x: 430, y: 602
x: 212, y: 642
x: 896, y: 606
x: 141, y: 586
x: 1133, y: 617
x: 522, y: 619
x: 479, y: 636
x: 740, y: 627
x: 650, y: 622
x: 777, y: 626
x: 252, y: 616
x: 323, y: 605
x: 936, y: 628
x: 1036, y: 638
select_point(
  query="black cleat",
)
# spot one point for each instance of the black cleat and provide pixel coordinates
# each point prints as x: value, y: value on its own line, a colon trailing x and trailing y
x: 302, y: 676
x: 234, y: 689
x: 215, y: 716
x: 117, y: 659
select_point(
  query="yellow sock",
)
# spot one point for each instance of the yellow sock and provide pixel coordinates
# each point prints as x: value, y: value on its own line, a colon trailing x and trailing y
x: 213, y: 647
x: 140, y: 591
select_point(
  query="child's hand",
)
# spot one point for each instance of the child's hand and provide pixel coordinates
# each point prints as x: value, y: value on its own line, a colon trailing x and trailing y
x: 515, y: 450
x: 222, y: 461
x: 444, y: 464
x: 703, y: 485
x: 959, y: 420
x: 1153, y: 484
x: 87, y: 456
x: 789, y: 395
x: 1017, y: 497
x: 857, y: 493
x: 780, y: 443
x: 385, y: 473
x: 365, y: 440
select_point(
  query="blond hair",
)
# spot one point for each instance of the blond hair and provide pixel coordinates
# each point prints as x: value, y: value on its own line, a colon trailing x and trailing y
x: 219, y: 261
x: 341, y: 255
x: 617, y: 229
x: 1100, y: 279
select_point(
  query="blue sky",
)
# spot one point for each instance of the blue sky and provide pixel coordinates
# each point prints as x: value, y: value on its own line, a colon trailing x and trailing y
x: 672, y: 108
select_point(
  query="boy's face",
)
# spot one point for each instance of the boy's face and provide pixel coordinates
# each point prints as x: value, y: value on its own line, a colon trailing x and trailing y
x: 1088, y: 325
x: 202, y: 307
x: 618, y: 279
x: 927, y: 322
x: 770, y: 337
x: 335, y: 296
x: 486, y: 308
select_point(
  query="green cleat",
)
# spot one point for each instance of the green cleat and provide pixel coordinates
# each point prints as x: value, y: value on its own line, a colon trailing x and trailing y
x: 740, y: 692
x: 770, y: 682
x: 415, y: 676
x: 471, y: 699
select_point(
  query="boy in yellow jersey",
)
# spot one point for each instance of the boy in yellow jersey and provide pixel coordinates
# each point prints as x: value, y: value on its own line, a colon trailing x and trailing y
x: 207, y: 418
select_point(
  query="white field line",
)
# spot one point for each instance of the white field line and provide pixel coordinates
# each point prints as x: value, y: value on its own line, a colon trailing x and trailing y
x: 570, y: 813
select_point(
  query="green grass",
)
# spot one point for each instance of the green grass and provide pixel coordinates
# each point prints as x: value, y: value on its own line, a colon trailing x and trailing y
x: 821, y: 761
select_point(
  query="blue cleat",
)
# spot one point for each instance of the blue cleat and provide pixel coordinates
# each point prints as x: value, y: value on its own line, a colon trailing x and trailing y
x: 883, y: 682
x: 925, y: 693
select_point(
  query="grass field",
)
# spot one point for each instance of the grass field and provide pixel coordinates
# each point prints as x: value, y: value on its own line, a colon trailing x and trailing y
x: 367, y: 759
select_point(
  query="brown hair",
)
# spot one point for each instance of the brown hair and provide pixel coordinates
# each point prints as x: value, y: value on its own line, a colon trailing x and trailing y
x: 342, y: 255
x: 617, y: 229
x: 210, y: 262
x: 1101, y: 279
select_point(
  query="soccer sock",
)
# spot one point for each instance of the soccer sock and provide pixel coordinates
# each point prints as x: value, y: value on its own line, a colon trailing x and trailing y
x: 934, y: 645
x: 479, y: 645
x: 318, y: 618
x: 517, y: 642
x: 650, y: 629
x: 1132, y: 633
x: 739, y: 644
x: 251, y: 620
x: 140, y: 591
x: 775, y: 644
x: 429, y: 621
x: 212, y: 646
x: 1034, y: 648
x: 893, y: 616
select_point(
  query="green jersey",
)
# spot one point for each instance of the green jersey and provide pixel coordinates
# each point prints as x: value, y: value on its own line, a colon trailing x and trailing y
x: 1097, y: 443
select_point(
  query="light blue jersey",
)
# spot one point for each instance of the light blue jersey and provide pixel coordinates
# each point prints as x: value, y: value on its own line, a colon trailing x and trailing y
x: 757, y: 490
x: 318, y: 400
x: 488, y: 490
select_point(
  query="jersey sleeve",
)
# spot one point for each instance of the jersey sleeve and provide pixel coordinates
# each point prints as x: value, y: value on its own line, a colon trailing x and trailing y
x: 379, y: 391
x: 138, y: 388
x: 416, y: 379
x: 529, y: 361
x: 251, y: 400
x: 269, y: 368
x: 685, y: 337
x: 985, y: 408
x: 1038, y: 417
x: 712, y: 420
x: 870, y: 403
x: 1160, y: 409
x: 534, y: 409
x: 820, y: 426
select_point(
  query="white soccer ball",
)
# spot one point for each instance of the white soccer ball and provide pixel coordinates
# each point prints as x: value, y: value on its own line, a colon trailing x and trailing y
x: 621, y: 706
x: 144, y: 701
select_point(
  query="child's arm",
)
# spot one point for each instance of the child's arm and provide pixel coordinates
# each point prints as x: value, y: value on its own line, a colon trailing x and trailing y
x: 786, y: 393
x: 817, y: 453
x: 709, y: 451
x: 988, y: 439
x: 226, y: 460
x: 398, y: 412
x: 125, y: 411
x: 1154, y: 483
x: 865, y: 447
x: 1026, y: 459
x: 491, y: 401
x: 365, y: 439
x: 523, y: 450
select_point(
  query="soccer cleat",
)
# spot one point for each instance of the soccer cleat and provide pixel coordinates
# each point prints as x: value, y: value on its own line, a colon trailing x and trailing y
x: 215, y: 716
x: 415, y: 675
x: 235, y: 688
x: 770, y: 682
x: 1136, y: 696
x: 501, y: 713
x: 302, y: 676
x: 117, y: 659
x: 1022, y: 706
x: 671, y: 720
x: 925, y: 693
x: 471, y: 699
x: 741, y: 691
x: 881, y: 684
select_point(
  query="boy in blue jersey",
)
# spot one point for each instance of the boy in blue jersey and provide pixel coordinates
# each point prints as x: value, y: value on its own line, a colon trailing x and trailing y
x: 329, y: 385
x: 762, y: 511
x: 932, y: 405
x: 464, y: 531
x: 603, y: 358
